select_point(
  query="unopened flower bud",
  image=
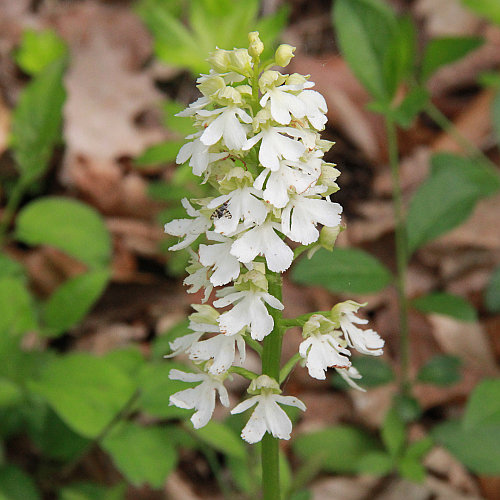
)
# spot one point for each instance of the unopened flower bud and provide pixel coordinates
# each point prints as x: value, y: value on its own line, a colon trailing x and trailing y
x: 256, y: 47
x: 284, y: 54
x: 219, y: 60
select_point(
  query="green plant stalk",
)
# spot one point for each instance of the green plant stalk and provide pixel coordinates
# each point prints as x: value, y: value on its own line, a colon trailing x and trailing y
x: 401, y: 255
x: 271, y: 356
x: 470, y: 148
x: 10, y: 209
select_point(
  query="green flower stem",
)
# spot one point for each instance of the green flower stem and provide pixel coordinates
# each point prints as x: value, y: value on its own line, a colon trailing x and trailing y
x: 243, y: 372
x: 470, y: 148
x: 288, y: 367
x: 271, y: 356
x: 401, y: 255
x: 10, y: 209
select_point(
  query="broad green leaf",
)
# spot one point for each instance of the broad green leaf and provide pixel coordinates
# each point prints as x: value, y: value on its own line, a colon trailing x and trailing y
x: 336, y: 449
x: 129, y: 359
x: 91, y: 491
x: 377, y: 463
x: 407, y: 407
x: 399, y: 60
x: 39, y: 49
x: 442, y: 51
x: 418, y: 449
x: 394, y: 433
x: 17, y: 314
x: 447, y: 197
x: 141, y: 454
x: 440, y: 370
x: 492, y: 295
x: 70, y: 225
x: 85, y: 391
x: 37, y: 120
x: 10, y: 393
x: 487, y: 8
x: 446, y: 304
x: 302, y: 495
x: 375, y: 371
x: 343, y: 270
x: 15, y: 484
x: 495, y: 115
x: 10, y: 267
x: 156, y: 389
x: 477, y: 448
x: 161, y: 344
x: 222, y: 438
x: 411, y: 469
x: 483, y: 406
x: 72, y: 301
x: 55, y: 439
x: 413, y: 103
x: 165, y: 152
x: 183, y: 125
x: 365, y: 30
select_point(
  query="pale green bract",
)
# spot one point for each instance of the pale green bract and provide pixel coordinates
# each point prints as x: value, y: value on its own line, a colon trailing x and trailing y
x: 258, y: 145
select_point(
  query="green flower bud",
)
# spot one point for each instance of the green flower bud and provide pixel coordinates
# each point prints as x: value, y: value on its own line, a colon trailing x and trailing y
x: 283, y: 55
x: 219, y: 59
x: 210, y: 85
x: 263, y: 382
x: 256, y: 46
x: 241, y: 62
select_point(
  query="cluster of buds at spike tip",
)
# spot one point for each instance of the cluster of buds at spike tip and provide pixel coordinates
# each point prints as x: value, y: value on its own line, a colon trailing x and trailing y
x: 258, y: 145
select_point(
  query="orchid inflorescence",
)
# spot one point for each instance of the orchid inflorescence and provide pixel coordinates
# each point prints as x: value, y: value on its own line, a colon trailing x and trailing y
x: 258, y: 145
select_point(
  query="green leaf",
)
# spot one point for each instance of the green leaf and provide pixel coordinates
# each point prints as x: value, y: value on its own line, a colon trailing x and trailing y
x: 407, y: 407
x: 343, y: 270
x: 53, y: 437
x: 39, y: 49
x: 10, y: 268
x: 399, y: 60
x: 495, y: 115
x: 411, y: 469
x: 446, y: 304
x: 483, y: 406
x: 161, y: 344
x: 377, y: 463
x: 487, y: 8
x: 222, y: 438
x: 15, y: 484
x: 16, y: 309
x: 447, y: 197
x: 441, y: 370
x: 10, y: 393
x: 413, y: 103
x: 165, y: 152
x: 337, y: 449
x: 477, y: 448
x: 72, y: 301
x: 129, y: 359
x: 85, y: 391
x: 183, y: 125
x: 141, y: 454
x: 492, y: 295
x: 394, y: 433
x: 442, y: 51
x: 365, y: 30
x: 156, y: 389
x: 418, y: 449
x: 91, y: 491
x: 37, y: 120
x: 71, y: 226
x: 375, y: 371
